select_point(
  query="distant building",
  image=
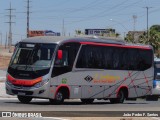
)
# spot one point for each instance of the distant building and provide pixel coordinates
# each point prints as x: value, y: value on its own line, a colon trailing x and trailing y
x: 33, y: 33
x: 51, y: 33
x: 99, y: 32
x: 136, y: 34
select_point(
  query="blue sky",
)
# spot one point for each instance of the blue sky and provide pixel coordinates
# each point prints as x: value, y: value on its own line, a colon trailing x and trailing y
x: 78, y: 14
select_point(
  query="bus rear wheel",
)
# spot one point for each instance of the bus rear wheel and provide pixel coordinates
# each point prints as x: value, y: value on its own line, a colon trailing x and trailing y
x: 87, y: 101
x: 24, y: 99
x: 120, y: 97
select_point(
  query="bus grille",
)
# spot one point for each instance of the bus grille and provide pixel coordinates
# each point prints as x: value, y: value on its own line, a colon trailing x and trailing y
x: 26, y: 92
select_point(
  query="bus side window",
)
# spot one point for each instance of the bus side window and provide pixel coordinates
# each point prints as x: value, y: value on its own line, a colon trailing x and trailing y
x: 64, y: 61
x: 69, y: 51
x: 145, y: 59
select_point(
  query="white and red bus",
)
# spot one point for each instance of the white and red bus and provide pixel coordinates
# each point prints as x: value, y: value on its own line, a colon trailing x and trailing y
x: 58, y: 68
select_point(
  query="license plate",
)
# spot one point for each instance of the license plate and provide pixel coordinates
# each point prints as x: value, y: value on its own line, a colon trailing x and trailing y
x: 21, y: 93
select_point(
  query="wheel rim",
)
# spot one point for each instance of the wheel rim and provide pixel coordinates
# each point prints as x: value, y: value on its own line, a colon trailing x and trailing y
x: 121, y: 96
x: 59, y: 96
x: 24, y: 99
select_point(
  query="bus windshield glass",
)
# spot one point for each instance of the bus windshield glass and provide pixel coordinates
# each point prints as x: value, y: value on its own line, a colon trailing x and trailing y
x: 37, y: 56
x: 32, y: 57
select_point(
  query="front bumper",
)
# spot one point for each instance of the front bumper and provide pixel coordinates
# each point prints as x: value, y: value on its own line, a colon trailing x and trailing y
x: 41, y: 92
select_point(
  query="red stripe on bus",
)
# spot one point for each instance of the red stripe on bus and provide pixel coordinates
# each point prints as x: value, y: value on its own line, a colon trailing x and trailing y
x: 62, y: 86
x: 22, y: 81
x: 121, y: 87
x: 115, y: 45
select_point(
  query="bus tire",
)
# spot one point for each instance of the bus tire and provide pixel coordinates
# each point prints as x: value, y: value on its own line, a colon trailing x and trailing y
x: 113, y: 100
x: 87, y: 101
x: 59, y: 98
x: 52, y: 101
x: 24, y: 99
x: 120, y: 97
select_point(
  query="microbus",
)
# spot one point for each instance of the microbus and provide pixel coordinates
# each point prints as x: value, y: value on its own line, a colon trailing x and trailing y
x: 85, y: 68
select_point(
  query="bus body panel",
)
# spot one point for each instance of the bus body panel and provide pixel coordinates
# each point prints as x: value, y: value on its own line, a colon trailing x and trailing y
x: 42, y: 92
x: 86, y: 82
x: 105, y: 83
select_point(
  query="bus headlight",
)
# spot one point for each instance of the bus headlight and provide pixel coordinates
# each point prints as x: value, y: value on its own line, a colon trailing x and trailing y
x: 40, y: 84
x: 8, y: 77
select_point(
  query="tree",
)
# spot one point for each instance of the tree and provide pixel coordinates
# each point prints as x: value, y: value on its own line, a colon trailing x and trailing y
x: 129, y: 38
x: 155, y: 27
x: 117, y: 34
x: 154, y: 38
x: 79, y: 32
x: 110, y: 33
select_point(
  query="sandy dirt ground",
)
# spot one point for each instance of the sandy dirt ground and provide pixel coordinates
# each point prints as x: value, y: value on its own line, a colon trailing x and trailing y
x: 5, y: 57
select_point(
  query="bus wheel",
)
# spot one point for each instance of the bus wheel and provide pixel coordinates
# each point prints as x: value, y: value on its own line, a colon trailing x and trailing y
x: 24, y: 99
x: 59, y: 98
x: 113, y: 100
x: 120, y: 97
x: 52, y: 101
x: 87, y: 101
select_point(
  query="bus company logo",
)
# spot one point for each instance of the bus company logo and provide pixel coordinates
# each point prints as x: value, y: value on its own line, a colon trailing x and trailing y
x: 88, y: 78
x: 6, y: 114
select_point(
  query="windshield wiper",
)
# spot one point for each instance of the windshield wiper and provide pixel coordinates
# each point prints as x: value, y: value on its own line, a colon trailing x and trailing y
x: 27, y: 63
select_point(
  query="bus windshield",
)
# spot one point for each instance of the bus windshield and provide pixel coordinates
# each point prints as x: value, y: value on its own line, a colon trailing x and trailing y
x: 31, y: 60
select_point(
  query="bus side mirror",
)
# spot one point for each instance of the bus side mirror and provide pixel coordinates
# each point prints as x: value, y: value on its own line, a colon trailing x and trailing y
x: 60, y: 54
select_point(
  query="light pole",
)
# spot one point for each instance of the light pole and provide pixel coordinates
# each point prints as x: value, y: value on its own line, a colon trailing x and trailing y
x: 120, y: 25
x: 1, y: 37
x: 28, y: 16
x: 147, y: 23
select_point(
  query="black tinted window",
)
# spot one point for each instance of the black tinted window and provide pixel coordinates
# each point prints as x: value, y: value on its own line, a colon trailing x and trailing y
x: 65, y: 65
x: 101, y: 57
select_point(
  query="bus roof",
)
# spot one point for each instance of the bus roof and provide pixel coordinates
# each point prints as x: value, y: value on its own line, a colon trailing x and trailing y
x: 89, y: 39
x: 59, y: 39
x: 44, y: 39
